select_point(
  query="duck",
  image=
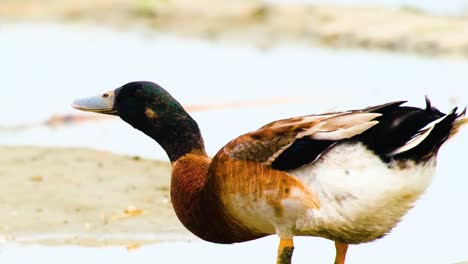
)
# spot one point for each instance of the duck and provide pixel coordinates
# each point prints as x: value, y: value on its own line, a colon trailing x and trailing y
x: 346, y: 176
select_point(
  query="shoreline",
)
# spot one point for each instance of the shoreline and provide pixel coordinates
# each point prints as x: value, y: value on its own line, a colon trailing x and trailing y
x: 264, y: 24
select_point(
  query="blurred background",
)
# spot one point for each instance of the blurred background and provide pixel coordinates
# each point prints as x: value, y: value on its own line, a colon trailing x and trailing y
x: 71, y: 183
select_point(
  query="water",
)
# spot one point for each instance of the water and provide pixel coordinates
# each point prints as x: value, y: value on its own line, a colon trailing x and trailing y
x: 44, y: 67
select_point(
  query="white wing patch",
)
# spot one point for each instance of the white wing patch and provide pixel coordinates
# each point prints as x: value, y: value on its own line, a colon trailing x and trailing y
x: 348, y: 120
x: 340, y: 126
x: 345, y: 126
x: 419, y: 137
x: 344, y: 133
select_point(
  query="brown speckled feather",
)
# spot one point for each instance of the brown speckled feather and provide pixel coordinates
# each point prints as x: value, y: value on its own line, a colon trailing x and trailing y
x: 260, y: 182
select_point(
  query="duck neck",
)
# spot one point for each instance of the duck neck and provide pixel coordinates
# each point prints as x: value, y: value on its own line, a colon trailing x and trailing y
x: 177, y: 136
x: 184, y: 139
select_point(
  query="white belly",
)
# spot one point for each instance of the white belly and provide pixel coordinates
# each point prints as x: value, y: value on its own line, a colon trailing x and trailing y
x: 361, y: 197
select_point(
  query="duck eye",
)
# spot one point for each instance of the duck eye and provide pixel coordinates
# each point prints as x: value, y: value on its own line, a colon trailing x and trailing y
x: 105, y: 95
x: 138, y: 92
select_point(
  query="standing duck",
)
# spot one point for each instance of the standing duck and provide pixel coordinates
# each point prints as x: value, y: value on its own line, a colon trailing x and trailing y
x: 346, y: 176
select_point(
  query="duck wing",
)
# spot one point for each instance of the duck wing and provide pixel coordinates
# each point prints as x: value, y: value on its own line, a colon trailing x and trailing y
x: 291, y: 143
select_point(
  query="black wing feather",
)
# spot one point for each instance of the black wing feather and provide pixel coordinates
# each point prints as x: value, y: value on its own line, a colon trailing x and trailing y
x: 399, y: 125
x: 302, y: 151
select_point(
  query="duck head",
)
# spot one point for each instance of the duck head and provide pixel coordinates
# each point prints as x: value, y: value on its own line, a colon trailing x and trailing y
x: 149, y: 108
x: 135, y: 102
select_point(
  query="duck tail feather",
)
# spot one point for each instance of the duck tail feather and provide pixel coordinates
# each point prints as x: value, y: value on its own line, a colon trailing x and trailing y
x: 459, y: 122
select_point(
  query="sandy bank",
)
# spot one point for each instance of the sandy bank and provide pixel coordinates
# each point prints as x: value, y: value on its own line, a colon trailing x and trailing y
x: 79, y: 196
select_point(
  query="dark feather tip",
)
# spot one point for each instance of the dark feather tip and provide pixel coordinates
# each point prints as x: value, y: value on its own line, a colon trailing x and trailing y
x: 462, y: 113
x: 454, y: 110
x: 428, y: 103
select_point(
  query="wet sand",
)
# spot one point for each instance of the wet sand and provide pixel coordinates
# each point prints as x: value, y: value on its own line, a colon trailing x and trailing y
x: 85, y: 197
x: 265, y: 24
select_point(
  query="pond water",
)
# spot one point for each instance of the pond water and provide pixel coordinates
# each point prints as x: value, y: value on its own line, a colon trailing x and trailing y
x: 44, y: 67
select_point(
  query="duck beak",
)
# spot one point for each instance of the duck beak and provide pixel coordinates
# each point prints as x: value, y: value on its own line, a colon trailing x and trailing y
x: 103, y: 104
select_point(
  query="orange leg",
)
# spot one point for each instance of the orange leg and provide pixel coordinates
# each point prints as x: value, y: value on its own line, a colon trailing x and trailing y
x: 341, y: 249
x: 285, y: 251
